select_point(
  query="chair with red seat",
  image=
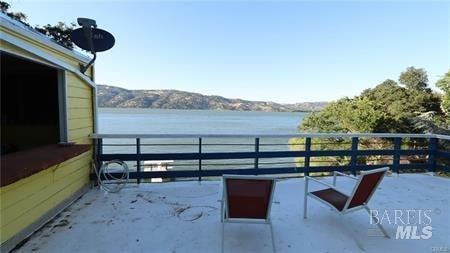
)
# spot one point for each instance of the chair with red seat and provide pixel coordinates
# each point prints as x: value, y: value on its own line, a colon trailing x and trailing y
x: 247, y: 199
x: 365, y: 187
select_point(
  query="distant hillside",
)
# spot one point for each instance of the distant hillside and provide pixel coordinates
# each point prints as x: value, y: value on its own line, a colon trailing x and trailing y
x: 111, y: 96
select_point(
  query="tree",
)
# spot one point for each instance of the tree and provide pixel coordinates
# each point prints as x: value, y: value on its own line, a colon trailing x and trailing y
x: 414, y: 78
x: 444, y: 85
x: 345, y: 115
x: 60, y: 32
x: 19, y: 16
x: 402, y: 104
x: 386, y: 108
x: 4, y: 6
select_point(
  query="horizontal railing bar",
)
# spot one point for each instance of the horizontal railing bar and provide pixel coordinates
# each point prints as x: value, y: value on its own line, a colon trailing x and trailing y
x: 225, y: 144
x: 363, y: 167
x: 260, y: 171
x: 299, y: 135
x: 228, y: 144
x: 330, y: 143
x: 212, y: 164
x: 281, y: 144
x: 261, y: 163
x: 196, y: 156
x: 443, y: 167
x: 221, y: 144
x: 443, y: 154
x: 205, y: 144
x: 119, y: 145
x: 442, y: 137
x: 205, y: 173
x: 248, y: 155
x: 217, y: 164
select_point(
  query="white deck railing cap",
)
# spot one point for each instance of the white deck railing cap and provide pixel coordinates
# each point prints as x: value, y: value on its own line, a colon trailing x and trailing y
x: 299, y: 135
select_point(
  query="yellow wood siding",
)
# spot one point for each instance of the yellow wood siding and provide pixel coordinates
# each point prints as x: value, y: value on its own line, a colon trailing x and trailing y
x: 79, y: 102
x: 80, y: 123
x: 80, y: 115
x: 10, y: 48
x: 75, y: 92
x: 26, y: 200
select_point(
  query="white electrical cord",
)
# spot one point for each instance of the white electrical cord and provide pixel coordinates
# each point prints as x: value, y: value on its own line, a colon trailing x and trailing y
x: 107, y: 181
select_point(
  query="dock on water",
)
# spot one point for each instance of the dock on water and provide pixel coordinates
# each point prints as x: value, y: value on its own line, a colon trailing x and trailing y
x: 157, y: 165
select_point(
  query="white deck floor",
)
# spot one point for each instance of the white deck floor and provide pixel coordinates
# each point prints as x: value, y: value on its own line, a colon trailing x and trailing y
x: 184, y: 217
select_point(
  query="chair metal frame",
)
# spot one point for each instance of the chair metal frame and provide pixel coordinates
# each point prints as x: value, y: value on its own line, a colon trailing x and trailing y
x: 225, y: 218
x: 346, y: 208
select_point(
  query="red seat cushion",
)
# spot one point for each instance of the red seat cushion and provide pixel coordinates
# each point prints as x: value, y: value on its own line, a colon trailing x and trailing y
x: 333, y: 197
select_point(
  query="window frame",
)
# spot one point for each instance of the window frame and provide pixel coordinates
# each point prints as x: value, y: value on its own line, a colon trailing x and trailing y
x: 62, y: 104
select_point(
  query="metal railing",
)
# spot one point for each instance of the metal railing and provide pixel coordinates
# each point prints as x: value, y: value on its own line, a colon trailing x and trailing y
x: 266, y: 153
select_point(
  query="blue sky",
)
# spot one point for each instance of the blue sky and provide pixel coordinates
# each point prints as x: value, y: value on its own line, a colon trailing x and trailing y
x: 278, y: 51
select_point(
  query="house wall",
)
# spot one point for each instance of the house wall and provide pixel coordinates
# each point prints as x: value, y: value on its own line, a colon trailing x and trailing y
x: 80, y: 119
x: 27, y: 202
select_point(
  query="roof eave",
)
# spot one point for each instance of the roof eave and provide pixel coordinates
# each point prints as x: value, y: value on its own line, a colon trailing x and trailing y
x: 29, y: 32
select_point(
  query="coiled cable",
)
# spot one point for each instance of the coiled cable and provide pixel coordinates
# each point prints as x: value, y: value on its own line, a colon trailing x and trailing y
x: 107, y: 181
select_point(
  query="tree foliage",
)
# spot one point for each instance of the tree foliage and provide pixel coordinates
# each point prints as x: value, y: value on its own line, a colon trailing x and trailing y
x: 444, y: 85
x: 387, y: 108
x: 345, y: 115
x: 19, y: 16
x: 414, y: 78
x: 60, y: 32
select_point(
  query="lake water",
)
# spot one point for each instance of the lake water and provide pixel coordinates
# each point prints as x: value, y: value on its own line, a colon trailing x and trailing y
x: 159, y: 121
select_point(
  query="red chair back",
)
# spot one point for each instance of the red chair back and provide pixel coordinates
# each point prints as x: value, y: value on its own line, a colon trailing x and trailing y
x: 367, y: 186
x: 248, y: 198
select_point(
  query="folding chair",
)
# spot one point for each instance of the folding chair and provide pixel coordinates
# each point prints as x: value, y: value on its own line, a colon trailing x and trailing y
x: 247, y: 199
x: 366, y: 185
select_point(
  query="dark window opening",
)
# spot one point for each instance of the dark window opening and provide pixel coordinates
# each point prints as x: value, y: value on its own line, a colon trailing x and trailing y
x: 29, y: 104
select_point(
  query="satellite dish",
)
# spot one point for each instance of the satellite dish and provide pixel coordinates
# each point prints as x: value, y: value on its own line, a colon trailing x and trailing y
x: 92, y: 39
x: 101, y: 39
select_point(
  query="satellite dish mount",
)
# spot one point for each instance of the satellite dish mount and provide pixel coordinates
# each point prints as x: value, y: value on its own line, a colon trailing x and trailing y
x: 87, y: 25
x: 91, y: 39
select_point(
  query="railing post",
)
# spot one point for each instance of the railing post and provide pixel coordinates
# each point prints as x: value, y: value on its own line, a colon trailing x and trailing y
x: 397, y: 151
x: 354, y: 156
x: 99, y: 152
x: 256, y: 162
x: 432, y: 148
x: 307, y: 155
x: 138, y: 161
x: 200, y: 159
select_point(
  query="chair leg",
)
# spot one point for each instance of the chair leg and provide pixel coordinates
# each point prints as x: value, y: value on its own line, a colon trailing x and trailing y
x: 349, y: 229
x: 383, y: 230
x: 305, y: 200
x: 223, y: 237
x: 221, y: 211
x: 272, y: 236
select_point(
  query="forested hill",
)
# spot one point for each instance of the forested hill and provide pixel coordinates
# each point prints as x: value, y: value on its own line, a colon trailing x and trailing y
x: 111, y: 96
